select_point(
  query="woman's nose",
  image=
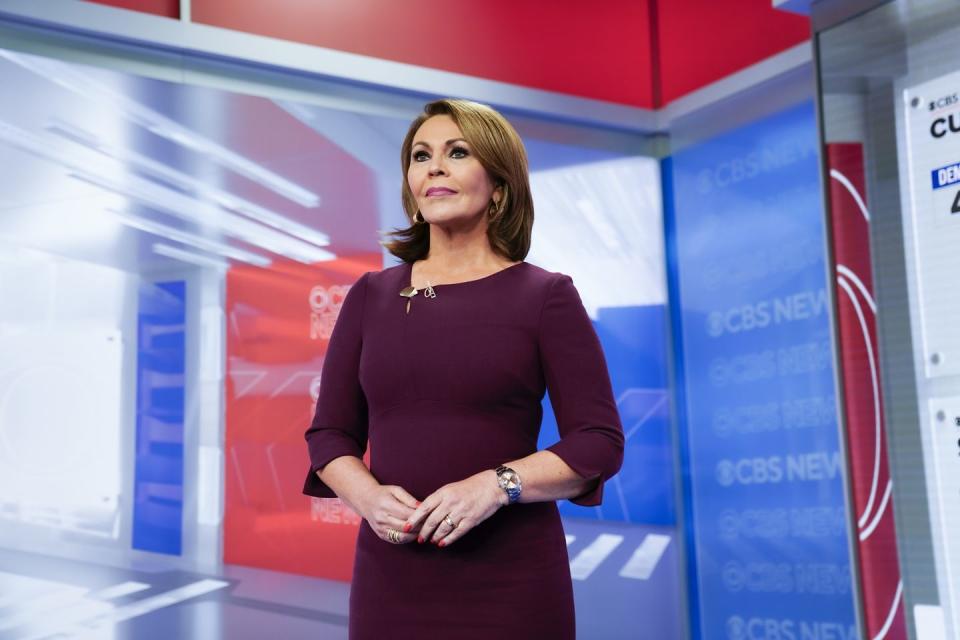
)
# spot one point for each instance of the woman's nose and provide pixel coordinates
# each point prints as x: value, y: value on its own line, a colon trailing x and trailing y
x: 436, y: 166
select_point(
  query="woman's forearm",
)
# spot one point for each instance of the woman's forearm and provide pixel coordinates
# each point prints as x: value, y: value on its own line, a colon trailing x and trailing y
x: 350, y: 479
x: 546, y: 477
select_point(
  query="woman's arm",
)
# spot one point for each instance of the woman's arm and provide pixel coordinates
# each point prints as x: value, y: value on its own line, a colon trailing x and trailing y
x: 337, y: 436
x: 544, y: 477
x: 350, y: 479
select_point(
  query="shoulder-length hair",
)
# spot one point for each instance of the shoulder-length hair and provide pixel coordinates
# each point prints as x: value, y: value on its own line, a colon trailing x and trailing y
x: 499, y: 149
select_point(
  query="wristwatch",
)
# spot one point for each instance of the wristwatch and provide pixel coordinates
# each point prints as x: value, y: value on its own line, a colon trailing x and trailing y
x: 509, y: 481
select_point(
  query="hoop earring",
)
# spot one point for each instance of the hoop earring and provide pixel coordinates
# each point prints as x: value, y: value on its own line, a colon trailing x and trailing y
x: 494, y: 209
x: 497, y: 207
x: 416, y: 215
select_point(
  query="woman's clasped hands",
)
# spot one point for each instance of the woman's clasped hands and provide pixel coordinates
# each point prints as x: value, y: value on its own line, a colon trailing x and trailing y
x: 447, y: 514
x: 442, y: 518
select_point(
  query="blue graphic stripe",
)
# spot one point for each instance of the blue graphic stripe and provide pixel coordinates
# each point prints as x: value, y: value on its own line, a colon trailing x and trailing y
x: 158, y: 470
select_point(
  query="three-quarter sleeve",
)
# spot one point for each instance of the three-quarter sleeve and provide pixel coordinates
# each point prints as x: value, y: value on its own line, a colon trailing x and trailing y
x: 339, y: 426
x: 591, y: 435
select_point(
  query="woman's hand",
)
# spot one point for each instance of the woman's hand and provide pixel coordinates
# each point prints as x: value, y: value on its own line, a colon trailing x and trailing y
x: 468, y: 503
x: 387, y: 507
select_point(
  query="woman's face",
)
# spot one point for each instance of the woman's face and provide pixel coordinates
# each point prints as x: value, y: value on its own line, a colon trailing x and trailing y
x: 449, y: 183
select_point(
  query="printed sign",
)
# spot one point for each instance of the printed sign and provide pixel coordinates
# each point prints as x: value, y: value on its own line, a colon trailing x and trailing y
x: 931, y: 149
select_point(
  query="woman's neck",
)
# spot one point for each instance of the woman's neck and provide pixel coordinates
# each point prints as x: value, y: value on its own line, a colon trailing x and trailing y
x: 469, y: 253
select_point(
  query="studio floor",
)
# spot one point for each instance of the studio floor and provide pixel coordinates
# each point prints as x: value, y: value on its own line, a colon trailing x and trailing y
x: 625, y: 583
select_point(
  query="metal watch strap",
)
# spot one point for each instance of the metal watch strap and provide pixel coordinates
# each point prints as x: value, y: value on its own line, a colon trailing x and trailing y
x: 513, y: 493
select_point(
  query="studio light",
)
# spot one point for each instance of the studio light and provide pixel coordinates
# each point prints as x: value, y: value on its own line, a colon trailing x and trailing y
x: 168, y: 201
x: 185, y: 256
x: 187, y: 183
x: 204, y: 244
x: 88, y: 86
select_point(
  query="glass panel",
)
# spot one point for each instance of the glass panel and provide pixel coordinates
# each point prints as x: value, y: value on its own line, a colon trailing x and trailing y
x: 890, y: 108
x: 63, y: 328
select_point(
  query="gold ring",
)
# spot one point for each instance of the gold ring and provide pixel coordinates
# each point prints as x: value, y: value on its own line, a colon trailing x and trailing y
x: 447, y: 519
x: 394, y: 536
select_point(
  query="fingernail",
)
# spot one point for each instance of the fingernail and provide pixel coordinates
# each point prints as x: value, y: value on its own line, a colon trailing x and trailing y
x: 442, y: 543
x: 420, y: 539
x: 407, y: 527
x: 418, y: 503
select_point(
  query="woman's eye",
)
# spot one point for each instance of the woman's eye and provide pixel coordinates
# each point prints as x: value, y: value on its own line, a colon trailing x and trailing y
x: 459, y: 152
x: 420, y: 156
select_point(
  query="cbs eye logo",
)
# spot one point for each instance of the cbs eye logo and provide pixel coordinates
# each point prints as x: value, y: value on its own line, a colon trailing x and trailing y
x: 945, y: 101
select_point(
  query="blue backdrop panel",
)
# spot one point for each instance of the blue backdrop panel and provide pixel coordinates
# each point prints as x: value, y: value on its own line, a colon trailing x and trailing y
x: 158, y: 472
x: 634, y: 343
x: 760, y: 443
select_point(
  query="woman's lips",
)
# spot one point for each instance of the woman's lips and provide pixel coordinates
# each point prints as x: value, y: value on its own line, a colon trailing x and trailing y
x: 439, y: 191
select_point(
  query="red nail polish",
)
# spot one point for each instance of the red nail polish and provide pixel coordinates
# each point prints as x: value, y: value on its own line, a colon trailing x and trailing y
x: 420, y: 539
x: 442, y: 543
x: 407, y: 527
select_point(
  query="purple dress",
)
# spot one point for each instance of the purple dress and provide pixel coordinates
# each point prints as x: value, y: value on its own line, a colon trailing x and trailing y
x: 452, y: 388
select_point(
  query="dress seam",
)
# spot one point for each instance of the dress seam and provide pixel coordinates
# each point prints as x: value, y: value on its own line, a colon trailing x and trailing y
x: 543, y: 306
x: 363, y: 306
x: 429, y: 400
x: 555, y: 401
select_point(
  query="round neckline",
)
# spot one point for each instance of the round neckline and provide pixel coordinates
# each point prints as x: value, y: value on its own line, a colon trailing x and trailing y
x: 409, y: 277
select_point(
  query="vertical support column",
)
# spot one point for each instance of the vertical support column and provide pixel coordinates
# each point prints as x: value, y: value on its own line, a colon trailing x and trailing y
x: 203, y: 461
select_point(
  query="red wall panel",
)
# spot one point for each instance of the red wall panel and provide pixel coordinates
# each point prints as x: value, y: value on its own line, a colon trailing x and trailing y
x: 642, y: 53
x: 880, y: 585
x: 597, y: 50
x: 278, y: 327
x: 167, y: 8
x: 702, y: 41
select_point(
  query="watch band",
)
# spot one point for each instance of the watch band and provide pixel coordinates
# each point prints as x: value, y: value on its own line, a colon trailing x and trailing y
x: 509, y: 481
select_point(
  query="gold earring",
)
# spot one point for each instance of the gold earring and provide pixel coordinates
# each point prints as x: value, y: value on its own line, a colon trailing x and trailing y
x: 416, y: 216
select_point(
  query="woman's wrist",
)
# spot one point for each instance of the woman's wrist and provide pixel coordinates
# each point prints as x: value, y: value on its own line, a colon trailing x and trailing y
x: 363, y: 497
x: 352, y: 481
x: 493, y: 481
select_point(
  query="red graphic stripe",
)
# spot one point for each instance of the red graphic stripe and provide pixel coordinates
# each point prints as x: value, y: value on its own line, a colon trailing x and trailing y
x: 880, y: 585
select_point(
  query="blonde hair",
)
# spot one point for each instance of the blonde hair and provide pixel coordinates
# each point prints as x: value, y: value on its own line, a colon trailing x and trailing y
x: 499, y: 149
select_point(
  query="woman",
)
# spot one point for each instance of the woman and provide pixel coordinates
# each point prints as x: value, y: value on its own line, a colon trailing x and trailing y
x: 442, y: 363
